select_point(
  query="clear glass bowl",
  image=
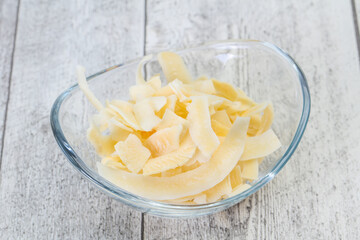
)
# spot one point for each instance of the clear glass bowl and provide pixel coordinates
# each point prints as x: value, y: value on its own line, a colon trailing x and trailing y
x: 262, y: 70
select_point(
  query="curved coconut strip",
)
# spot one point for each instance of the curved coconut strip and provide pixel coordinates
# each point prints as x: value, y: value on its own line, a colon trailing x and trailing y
x: 86, y: 90
x: 260, y: 146
x: 200, y: 126
x: 173, y: 67
x: 192, y: 182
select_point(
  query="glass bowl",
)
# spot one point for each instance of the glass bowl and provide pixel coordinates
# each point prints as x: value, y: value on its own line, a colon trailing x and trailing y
x: 262, y: 70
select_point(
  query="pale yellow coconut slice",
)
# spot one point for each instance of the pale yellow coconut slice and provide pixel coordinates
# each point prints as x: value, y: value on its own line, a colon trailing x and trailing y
x: 212, y: 110
x: 164, y: 141
x: 219, y: 190
x: 190, y: 91
x: 146, y: 116
x: 118, y: 122
x: 155, y: 82
x: 109, y: 110
x: 255, y: 109
x: 255, y: 124
x: 233, y: 117
x: 180, y: 109
x: 266, y: 119
x: 178, y: 88
x: 200, y: 126
x: 221, y: 139
x: 171, y: 102
x: 139, y: 76
x: 235, y: 177
x: 189, y: 183
x: 125, y: 111
x: 104, y: 144
x: 145, y: 112
x: 164, y: 91
x: 260, y: 146
x: 250, y: 169
x: 171, y: 160
x: 219, y: 128
x: 217, y: 101
x: 157, y: 102
x: 139, y: 92
x: 222, y: 117
x: 86, y: 90
x: 233, y: 108
x: 148, y: 89
x: 171, y: 172
x: 204, y: 86
x: 188, y: 167
x: 132, y: 153
x: 142, y: 135
x: 118, y: 133
x: 173, y: 67
x: 170, y: 105
x: 239, y: 189
x: 113, y: 162
x: 191, y: 162
x: 225, y: 90
x: 199, y: 157
x: 245, y: 100
x: 170, y: 119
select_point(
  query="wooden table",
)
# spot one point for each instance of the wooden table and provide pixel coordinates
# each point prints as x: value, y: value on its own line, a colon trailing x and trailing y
x: 315, y: 196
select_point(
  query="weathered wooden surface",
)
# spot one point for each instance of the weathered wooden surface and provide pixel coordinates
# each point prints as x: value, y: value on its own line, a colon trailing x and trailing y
x: 8, y: 18
x: 315, y: 195
x: 41, y: 197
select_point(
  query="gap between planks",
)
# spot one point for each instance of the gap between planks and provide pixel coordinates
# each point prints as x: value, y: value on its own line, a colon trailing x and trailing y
x: 9, y: 85
x: 356, y: 26
x: 144, y: 53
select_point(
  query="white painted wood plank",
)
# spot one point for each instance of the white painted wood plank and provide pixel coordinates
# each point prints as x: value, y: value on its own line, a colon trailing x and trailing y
x: 41, y: 195
x: 316, y: 195
x: 8, y: 16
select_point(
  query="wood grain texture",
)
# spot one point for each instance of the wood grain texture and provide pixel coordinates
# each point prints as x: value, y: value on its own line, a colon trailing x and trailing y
x: 41, y: 195
x: 316, y: 195
x: 8, y: 20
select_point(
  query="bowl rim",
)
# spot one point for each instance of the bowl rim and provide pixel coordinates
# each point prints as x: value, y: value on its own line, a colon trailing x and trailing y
x: 175, y: 210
